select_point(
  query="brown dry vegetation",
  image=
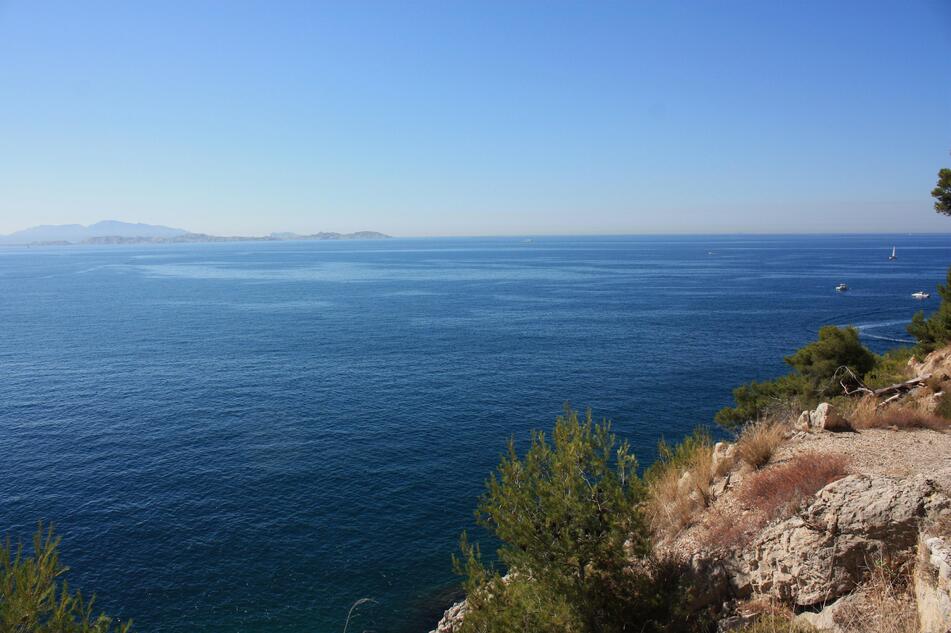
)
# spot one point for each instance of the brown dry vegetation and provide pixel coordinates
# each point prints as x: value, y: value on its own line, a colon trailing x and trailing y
x: 724, y: 531
x: 676, y: 495
x: 777, y: 624
x: 886, y: 602
x: 782, y: 489
x: 758, y: 442
x: 770, y: 616
x: 867, y: 416
x: 941, y: 526
x: 770, y: 494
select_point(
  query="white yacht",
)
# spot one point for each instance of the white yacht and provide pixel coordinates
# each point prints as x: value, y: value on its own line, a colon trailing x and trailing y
x: 893, y: 255
x: 921, y: 294
x: 841, y: 288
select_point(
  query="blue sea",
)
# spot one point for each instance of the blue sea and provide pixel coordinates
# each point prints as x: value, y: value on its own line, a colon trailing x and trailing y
x: 250, y: 437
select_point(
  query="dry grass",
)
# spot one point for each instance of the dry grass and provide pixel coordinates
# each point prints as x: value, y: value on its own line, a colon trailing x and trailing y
x: 886, y: 602
x: 678, y: 494
x: 940, y: 527
x: 770, y: 494
x: 724, y: 531
x: 759, y: 441
x: 865, y: 407
x: 897, y: 418
x: 782, y: 489
x: 943, y: 408
x: 777, y: 624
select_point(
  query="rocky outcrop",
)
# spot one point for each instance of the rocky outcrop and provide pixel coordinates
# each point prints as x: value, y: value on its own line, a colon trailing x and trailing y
x: 932, y: 580
x: 830, y: 618
x: 821, y: 561
x: 452, y: 619
x: 724, y: 457
x: 935, y: 362
x: 825, y: 551
x: 824, y: 418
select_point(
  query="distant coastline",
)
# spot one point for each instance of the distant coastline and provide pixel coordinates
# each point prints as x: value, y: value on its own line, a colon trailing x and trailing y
x: 192, y: 238
x: 113, y: 232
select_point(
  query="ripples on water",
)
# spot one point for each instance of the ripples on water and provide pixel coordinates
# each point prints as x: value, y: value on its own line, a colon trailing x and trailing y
x: 236, y: 437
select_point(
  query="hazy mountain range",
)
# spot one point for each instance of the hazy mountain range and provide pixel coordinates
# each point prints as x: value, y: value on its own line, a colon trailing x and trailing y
x: 115, y: 232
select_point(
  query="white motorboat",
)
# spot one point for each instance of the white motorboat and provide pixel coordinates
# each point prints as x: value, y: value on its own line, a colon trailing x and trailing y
x: 921, y: 294
x: 841, y: 288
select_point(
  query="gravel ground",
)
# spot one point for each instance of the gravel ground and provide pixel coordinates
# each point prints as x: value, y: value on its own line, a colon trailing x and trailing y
x: 883, y: 452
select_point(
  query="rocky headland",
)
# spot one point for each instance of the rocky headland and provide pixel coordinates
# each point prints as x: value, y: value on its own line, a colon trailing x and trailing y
x: 837, y: 519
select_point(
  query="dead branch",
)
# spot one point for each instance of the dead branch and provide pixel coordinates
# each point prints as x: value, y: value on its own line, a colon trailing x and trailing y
x: 889, y: 399
x: 860, y: 388
x: 902, y: 386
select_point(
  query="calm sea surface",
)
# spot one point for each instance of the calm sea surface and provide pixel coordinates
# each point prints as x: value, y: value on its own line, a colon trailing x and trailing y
x: 250, y: 437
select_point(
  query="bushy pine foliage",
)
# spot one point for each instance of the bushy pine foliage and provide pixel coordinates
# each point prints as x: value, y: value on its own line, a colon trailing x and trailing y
x: 942, y: 192
x: 890, y: 368
x: 757, y: 400
x: 819, y: 361
x: 819, y: 370
x: 935, y: 331
x: 34, y: 598
x: 567, y: 517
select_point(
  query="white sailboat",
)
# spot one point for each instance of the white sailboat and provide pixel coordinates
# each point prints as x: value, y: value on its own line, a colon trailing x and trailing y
x: 893, y: 255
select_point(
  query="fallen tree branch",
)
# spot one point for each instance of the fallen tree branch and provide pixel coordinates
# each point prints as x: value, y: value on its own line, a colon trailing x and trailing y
x: 887, y: 400
x: 845, y: 389
x: 902, y: 386
x: 860, y: 386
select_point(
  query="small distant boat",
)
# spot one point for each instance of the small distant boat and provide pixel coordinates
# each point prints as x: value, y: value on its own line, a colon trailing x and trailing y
x: 893, y: 256
x: 921, y: 294
x: 841, y: 288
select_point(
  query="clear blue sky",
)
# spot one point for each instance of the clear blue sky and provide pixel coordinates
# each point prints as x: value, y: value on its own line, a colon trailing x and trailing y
x: 462, y: 118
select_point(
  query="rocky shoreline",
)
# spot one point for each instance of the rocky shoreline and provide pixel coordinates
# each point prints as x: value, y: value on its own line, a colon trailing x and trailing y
x: 826, y: 557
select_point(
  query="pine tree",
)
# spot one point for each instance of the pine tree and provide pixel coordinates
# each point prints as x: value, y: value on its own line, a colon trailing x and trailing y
x: 35, y: 599
x: 934, y: 331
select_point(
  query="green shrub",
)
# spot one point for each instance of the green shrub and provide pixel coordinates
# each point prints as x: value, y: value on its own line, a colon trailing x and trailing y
x: 935, y: 331
x: 568, y: 519
x: 35, y: 599
x: 758, y: 400
x: 819, y: 362
x: 817, y: 374
x: 890, y: 368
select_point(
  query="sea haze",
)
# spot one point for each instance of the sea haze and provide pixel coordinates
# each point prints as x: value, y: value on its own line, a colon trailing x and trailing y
x: 251, y: 437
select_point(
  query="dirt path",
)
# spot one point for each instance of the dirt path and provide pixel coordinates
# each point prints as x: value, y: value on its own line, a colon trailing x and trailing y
x: 883, y: 452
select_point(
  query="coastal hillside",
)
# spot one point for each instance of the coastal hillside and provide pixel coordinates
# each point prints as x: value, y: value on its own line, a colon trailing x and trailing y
x: 838, y: 519
x: 834, y: 519
x: 115, y: 232
x: 75, y: 233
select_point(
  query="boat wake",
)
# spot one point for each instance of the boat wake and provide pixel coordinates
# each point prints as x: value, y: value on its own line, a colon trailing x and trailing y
x: 866, y: 330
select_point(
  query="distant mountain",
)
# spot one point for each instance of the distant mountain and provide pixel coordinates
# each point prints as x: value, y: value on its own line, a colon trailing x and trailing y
x: 78, y: 233
x: 114, y: 232
x: 359, y: 235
